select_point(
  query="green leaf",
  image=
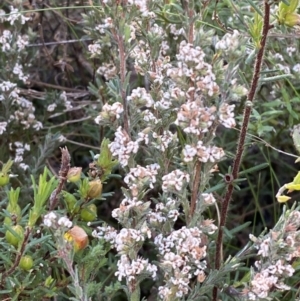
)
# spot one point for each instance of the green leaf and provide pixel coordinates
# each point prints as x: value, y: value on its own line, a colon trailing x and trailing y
x: 239, y: 228
x: 219, y: 186
x: 254, y: 169
x: 274, y: 78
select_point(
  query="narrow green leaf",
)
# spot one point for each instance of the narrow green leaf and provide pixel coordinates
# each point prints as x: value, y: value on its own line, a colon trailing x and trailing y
x: 255, y: 7
x: 275, y: 78
x: 254, y: 169
x: 240, y: 228
x: 215, y: 188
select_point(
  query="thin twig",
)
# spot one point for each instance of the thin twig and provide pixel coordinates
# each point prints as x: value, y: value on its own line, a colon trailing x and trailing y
x: 122, y: 72
x: 18, y: 257
x: 242, y: 137
x: 88, y: 146
x: 42, y: 84
x: 197, y: 170
x: 121, y: 46
x: 65, y: 166
x: 68, y: 122
x: 196, y: 184
x: 58, y: 43
x: 41, y: 32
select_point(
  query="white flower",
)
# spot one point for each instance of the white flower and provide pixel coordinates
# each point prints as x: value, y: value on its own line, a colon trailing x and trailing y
x: 208, y: 198
x: 226, y: 115
x: 62, y: 138
x: 50, y: 219
x: 15, y: 15
x: 296, y: 68
x: 122, y: 147
x: 22, y: 42
x: 264, y: 248
x: 3, y: 126
x: 175, y: 180
x: 140, y: 97
x: 95, y: 49
x: 6, y: 86
x: 23, y: 166
x: 51, y: 107
x: 290, y: 50
x: 37, y: 125
x: 189, y: 153
x: 65, y: 222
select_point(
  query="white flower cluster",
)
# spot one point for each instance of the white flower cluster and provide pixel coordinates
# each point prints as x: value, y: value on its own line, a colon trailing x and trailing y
x: 140, y: 98
x: 149, y: 118
x: 127, y: 239
x: 191, y: 65
x: 173, y: 96
x: 108, y: 23
x: 277, y: 251
x: 163, y: 141
x: 296, y: 68
x: 140, y: 176
x: 163, y: 213
x: 208, y: 226
x: 11, y: 44
x: 18, y: 70
x: 3, y: 126
x: 6, y: 86
x: 142, y: 6
x: 15, y: 15
x: 110, y: 112
x: 208, y: 199
x: 95, y: 49
x: 285, y: 69
x: 130, y: 269
x: 108, y: 70
x: 265, y: 281
x: 183, y: 256
x: 226, y: 115
x: 278, y: 56
x: 175, y: 180
x: 229, y: 43
x: 127, y: 205
x: 22, y: 42
x: 108, y: 233
x: 123, y: 147
x: 51, y: 107
x: 20, y: 149
x: 141, y: 54
x: 24, y: 113
x: 176, y: 31
x: 64, y: 98
x: 124, y: 242
x: 193, y: 118
x: 159, y: 74
x: 51, y: 220
x: 5, y: 40
x: 203, y: 153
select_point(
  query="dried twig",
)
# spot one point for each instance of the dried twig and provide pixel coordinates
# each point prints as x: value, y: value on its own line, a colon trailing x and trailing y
x: 65, y: 166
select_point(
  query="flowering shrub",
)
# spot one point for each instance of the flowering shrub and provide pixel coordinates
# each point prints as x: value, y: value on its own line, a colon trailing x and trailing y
x: 165, y: 81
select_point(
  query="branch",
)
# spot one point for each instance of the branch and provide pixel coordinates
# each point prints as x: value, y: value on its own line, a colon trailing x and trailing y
x: 242, y: 137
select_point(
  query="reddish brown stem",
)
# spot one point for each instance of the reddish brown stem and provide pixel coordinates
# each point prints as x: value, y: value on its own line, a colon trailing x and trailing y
x: 242, y: 137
